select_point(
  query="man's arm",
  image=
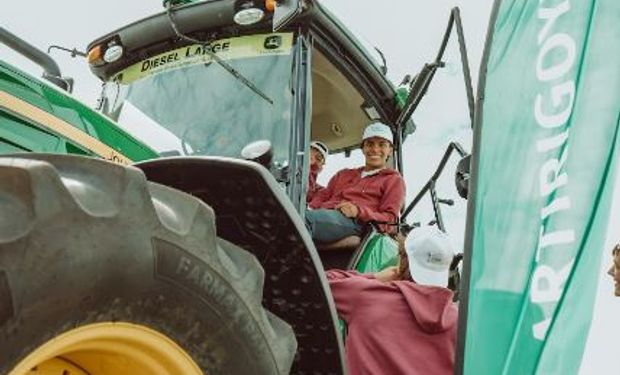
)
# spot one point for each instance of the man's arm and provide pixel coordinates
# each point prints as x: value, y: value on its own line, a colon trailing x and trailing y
x: 387, y: 274
x: 325, y: 193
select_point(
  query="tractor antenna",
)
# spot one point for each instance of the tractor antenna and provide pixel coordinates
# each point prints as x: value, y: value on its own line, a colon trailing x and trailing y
x: 74, y: 52
x: 384, y: 64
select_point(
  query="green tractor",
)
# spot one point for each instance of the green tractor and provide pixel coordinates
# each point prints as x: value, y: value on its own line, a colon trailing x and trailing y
x: 184, y: 251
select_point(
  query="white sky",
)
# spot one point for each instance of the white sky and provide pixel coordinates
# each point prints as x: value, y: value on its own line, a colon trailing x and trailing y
x: 408, y: 32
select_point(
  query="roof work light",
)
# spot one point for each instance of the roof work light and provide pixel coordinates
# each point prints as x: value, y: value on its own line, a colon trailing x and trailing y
x: 248, y: 13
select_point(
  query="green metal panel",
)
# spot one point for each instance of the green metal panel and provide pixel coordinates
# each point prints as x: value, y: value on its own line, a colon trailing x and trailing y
x: 25, y: 136
x: 380, y: 252
x: 19, y: 130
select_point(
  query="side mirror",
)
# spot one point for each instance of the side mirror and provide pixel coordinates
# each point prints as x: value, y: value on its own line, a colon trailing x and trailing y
x: 285, y: 12
x: 461, y: 177
x: 260, y: 152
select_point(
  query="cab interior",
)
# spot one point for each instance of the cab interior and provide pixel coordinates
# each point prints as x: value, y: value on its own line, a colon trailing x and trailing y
x: 338, y: 120
x: 338, y: 116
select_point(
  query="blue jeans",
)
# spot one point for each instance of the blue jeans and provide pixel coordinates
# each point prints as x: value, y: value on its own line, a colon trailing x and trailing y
x: 330, y: 225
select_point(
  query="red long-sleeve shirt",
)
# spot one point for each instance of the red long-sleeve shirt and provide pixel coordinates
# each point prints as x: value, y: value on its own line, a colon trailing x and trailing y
x: 397, y: 327
x: 378, y: 197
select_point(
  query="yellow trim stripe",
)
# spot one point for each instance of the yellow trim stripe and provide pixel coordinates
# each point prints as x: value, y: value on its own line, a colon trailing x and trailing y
x: 60, y: 127
x: 226, y: 49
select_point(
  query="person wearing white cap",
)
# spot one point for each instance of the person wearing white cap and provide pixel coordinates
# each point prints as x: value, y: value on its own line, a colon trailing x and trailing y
x: 401, y: 320
x: 318, y: 157
x: 355, y: 197
x: 429, y: 255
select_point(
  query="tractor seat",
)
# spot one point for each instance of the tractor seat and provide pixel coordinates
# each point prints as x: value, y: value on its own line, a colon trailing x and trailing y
x: 338, y: 254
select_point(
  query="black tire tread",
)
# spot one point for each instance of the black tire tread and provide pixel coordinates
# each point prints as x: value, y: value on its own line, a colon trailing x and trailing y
x: 35, y: 189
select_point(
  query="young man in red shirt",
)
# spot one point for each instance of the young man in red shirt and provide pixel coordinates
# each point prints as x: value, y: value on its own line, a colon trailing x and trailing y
x: 355, y: 197
x: 401, y: 321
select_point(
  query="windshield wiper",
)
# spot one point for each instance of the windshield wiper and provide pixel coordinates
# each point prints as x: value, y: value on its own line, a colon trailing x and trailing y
x: 238, y: 76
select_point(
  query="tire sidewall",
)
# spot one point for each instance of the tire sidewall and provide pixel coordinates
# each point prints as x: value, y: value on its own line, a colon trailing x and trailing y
x: 77, y: 270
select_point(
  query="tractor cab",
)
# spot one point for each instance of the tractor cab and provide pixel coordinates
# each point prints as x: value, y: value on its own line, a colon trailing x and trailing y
x: 192, y: 81
x: 210, y: 78
x: 202, y: 84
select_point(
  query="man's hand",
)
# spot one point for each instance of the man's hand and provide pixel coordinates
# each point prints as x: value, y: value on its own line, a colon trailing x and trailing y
x: 348, y: 209
x: 388, y: 274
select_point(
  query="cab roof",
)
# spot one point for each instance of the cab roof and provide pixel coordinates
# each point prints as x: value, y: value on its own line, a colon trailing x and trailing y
x: 212, y: 19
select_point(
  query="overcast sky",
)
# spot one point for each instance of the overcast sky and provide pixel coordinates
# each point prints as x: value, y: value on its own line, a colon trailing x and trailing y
x: 408, y: 32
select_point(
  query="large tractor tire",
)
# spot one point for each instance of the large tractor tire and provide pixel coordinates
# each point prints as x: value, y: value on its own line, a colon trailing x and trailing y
x: 102, y: 272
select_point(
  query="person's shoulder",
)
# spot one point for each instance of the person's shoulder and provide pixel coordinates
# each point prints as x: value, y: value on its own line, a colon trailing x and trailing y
x: 339, y: 273
x: 391, y: 173
x: 353, y: 278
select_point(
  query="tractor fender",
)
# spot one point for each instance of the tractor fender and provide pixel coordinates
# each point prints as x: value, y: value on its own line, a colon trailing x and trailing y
x: 91, y: 246
x: 253, y: 212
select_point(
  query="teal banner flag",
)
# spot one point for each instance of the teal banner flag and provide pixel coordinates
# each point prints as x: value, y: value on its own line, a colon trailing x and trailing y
x: 545, y: 153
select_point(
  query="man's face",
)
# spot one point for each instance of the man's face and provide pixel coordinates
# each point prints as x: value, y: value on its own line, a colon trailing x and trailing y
x: 614, y: 271
x: 316, y: 158
x: 376, y: 150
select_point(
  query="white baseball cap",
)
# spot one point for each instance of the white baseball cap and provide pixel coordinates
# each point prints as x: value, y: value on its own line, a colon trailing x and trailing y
x: 378, y: 129
x: 430, y: 254
x: 320, y: 147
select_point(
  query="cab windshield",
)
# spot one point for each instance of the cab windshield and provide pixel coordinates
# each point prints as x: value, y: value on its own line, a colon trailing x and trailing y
x: 182, y: 103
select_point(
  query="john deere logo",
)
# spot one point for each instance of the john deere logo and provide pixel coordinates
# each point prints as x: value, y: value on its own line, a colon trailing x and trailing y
x: 273, y: 42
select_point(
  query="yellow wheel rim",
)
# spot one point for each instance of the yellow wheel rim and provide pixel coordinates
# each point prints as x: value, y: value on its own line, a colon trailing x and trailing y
x: 106, y: 349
